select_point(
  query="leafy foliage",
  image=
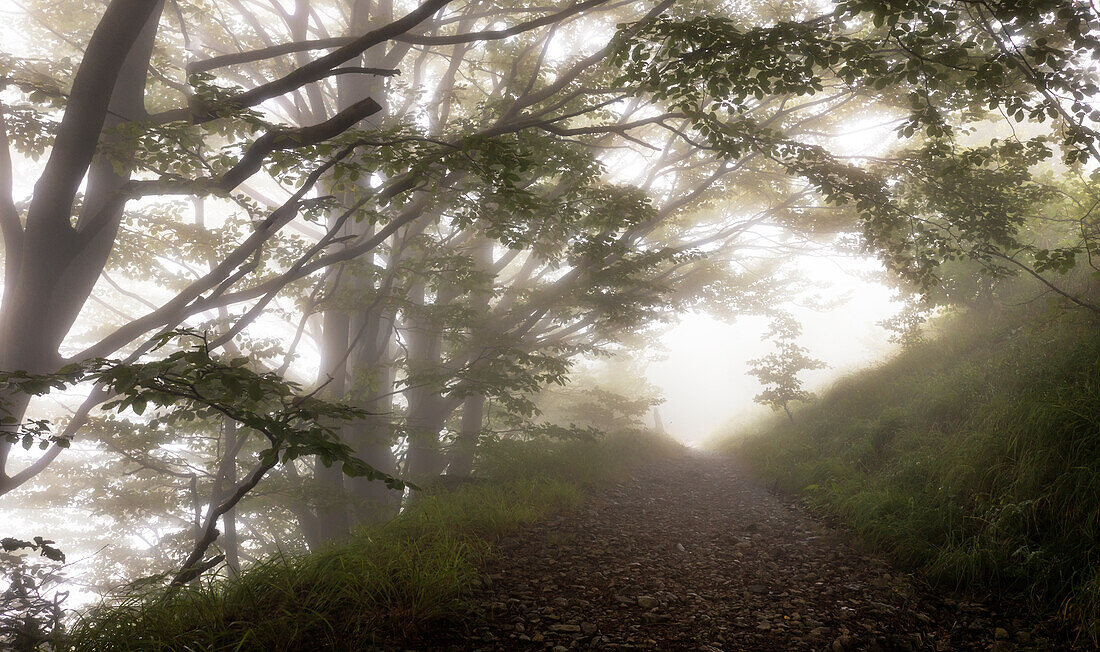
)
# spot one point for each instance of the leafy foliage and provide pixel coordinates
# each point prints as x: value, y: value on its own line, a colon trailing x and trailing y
x: 191, y: 384
x: 31, y: 615
x: 946, y: 63
x: 778, y: 372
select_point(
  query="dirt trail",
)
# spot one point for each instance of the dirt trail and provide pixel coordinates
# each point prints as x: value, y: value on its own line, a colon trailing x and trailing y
x: 695, y: 555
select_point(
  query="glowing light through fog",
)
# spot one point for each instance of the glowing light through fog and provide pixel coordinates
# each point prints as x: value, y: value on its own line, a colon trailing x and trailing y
x: 703, y: 376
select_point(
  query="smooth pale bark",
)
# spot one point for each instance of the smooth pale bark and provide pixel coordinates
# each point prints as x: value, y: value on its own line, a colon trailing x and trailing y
x: 332, y: 517
x: 372, y: 437
x: 424, y: 423
x: 59, y: 263
x: 426, y: 412
x: 473, y: 406
x: 53, y: 265
x: 352, y: 351
x: 299, y: 24
x: 225, y: 482
x: 231, y: 541
x: 465, y: 446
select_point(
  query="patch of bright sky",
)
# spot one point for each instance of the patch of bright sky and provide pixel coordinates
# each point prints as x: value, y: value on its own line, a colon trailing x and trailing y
x: 569, y: 44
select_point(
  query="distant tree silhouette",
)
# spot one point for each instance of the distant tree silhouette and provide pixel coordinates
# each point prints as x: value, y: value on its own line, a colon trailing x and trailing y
x: 778, y: 372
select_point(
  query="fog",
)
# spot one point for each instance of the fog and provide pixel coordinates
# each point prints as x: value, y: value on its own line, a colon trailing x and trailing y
x: 464, y: 325
x: 701, y: 369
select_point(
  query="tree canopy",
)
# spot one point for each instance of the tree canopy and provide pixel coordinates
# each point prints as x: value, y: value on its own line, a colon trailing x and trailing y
x: 278, y: 259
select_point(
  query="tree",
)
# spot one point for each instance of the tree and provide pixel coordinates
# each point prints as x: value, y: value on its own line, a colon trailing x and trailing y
x: 948, y: 65
x: 53, y: 264
x: 54, y: 259
x: 249, y: 119
x: 447, y: 238
x: 778, y: 372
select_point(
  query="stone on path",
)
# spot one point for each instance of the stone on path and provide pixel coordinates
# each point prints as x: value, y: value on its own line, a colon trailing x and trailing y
x: 761, y: 575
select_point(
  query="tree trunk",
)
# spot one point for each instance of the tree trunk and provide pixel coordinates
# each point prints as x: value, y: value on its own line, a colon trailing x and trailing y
x: 426, y: 413
x: 372, y: 437
x: 473, y: 406
x: 335, y: 513
x: 424, y: 423
x: 227, y: 479
x: 231, y: 542
x: 52, y: 267
x: 332, y: 516
x: 473, y: 416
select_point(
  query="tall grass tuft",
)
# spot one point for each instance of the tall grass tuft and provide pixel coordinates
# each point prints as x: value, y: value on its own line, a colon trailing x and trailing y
x: 974, y: 458
x: 387, y: 583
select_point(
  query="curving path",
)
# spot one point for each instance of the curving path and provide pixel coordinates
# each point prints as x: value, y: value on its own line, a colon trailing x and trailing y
x: 695, y: 555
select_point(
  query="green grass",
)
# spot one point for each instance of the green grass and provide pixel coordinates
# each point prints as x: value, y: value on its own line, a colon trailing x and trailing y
x: 579, y: 461
x: 389, y: 582
x: 974, y: 458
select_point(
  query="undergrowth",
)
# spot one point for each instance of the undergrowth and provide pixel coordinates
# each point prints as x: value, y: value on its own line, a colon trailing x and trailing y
x: 386, y: 583
x: 974, y: 458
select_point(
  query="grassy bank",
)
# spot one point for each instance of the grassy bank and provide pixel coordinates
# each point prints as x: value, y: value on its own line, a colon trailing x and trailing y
x: 387, y: 582
x: 974, y: 458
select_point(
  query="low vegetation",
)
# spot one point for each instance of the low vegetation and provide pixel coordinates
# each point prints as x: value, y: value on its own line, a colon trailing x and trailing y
x: 973, y: 457
x: 386, y: 582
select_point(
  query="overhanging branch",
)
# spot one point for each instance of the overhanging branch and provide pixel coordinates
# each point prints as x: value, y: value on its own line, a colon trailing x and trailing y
x: 414, y: 39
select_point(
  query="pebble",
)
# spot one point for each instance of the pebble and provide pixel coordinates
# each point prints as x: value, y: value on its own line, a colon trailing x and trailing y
x: 761, y: 576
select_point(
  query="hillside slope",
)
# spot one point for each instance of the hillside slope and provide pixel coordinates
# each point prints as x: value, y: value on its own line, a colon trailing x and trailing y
x: 974, y: 458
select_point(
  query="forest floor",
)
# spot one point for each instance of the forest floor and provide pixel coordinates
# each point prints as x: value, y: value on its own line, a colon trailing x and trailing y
x: 694, y: 554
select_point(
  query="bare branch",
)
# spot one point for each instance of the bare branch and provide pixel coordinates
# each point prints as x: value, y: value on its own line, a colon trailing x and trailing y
x: 320, y: 68
x: 282, y: 139
x: 180, y: 306
x: 566, y: 78
x: 415, y: 39
x: 363, y: 70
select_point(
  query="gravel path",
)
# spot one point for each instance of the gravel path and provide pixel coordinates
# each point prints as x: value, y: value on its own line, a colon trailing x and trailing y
x: 695, y: 555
